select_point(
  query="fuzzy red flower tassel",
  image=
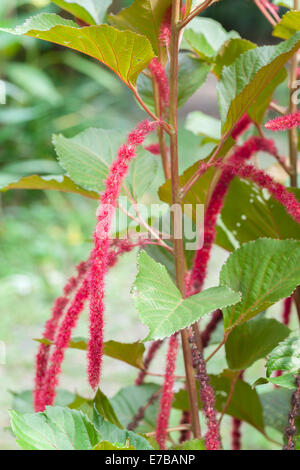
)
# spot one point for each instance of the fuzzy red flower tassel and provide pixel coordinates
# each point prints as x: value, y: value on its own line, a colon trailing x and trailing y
x: 162, y: 81
x: 243, y: 124
x: 207, y: 395
x: 99, y: 257
x: 48, y: 393
x: 50, y: 331
x: 167, y: 393
x: 277, y: 190
x: 241, y: 154
x: 283, y: 123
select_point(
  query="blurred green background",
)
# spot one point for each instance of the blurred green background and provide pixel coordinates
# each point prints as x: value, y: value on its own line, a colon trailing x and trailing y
x: 43, y: 234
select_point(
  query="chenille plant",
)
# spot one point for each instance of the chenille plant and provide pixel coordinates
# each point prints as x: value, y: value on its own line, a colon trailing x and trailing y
x: 163, y: 51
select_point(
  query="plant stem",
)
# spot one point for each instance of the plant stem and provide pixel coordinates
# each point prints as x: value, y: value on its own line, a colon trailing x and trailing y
x: 293, y: 136
x: 161, y: 133
x: 176, y: 199
x: 293, y: 142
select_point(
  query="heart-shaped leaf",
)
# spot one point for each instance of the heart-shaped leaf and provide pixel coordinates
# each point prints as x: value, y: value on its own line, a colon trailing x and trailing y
x: 161, y: 306
x: 125, y: 52
x: 264, y: 271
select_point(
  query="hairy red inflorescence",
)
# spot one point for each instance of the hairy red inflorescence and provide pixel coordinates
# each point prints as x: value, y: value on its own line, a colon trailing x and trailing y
x: 167, y: 393
x: 99, y: 257
x: 207, y: 395
x: 283, y: 123
x: 153, y: 148
x: 48, y: 393
x: 50, y: 332
x: 162, y: 81
x: 240, y: 155
x: 242, y: 125
x: 277, y: 190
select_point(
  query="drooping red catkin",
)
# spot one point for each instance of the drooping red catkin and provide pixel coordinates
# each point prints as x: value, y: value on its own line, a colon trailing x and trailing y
x: 99, y: 257
x: 243, y: 124
x: 241, y: 154
x: 277, y: 190
x: 210, y: 328
x: 50, y: 331
x: 62, y: 340
x: 149, y: 358
x: 283, y: 123
x: 167, y: 393
x: 207, y: 395
x: 162, y: 81
x: 291, y: 429
x: 165, y: 30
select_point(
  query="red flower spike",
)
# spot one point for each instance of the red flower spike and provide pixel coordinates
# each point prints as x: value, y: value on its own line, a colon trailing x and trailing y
x: 153, y: 148
x: 277, y: 190
x: 167, y: 393
x: 162, y: 81
x: 243, y: 124
x: 207, y: 395
x: 48, y: 392
x: 241, y: 154
x: 100, y: 253
x: 50, y: 331
x: 283, y: 123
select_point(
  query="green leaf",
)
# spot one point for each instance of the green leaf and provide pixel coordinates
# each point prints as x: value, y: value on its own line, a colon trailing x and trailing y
x: 129, y: 400
x: 244, y: 404
x: 196, y: 444
x: 52, y: 182
x: 288, y: 26
x: 243, y: 81
x: 111, y: 433
x: 144, y: 17
x: 230, y: 51
x: 131, y: 353
x: 105, y: 408
x: 264, y: 271
x: 56, y: 429
x: 87, y: 158
x: 105, y: 445
x: 161, y: 306
x: 253, y: 340
x: 125, y: 52
x: 23, y: 401
x: 254, y: 215
x: 259, y: 107
x: 285, y: 357
x: 89, y: 11
x: 284, y: 381
x: 205, y: 125
x: 205, y: 36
